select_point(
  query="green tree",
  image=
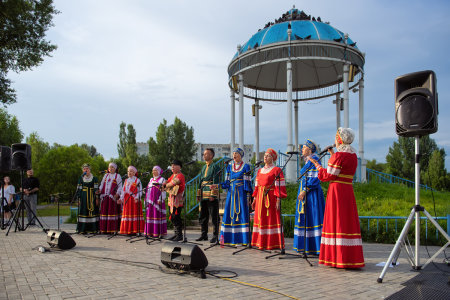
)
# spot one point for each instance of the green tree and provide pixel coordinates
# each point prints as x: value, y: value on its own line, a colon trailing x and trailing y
x: 175, y: 141
x: 374, y: 165
x: 38, y: 147
x: 23, y: 25
x: 127, y: 146
x: 58, y: 170
x: 436, y: 174
x: 10, y: 132
x: 400, y: 159
x: 90, y: 149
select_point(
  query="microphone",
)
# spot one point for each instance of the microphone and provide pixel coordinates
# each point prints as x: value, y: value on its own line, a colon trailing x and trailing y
x: 258, y: 163
x: 292, y: 152
x: 84, y: 173
x: 125, y: 176
x: 145, y: 173
x: 227, y: 161
x: 327, y: 148
x: 190, y: 163
x: 104, y: 171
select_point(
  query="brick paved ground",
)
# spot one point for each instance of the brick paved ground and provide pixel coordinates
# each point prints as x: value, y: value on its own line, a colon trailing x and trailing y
x: 87, y: 272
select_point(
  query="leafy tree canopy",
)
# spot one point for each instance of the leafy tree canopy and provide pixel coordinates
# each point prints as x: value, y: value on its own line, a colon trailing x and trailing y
x: 10, y: 132
x: 23, y: 25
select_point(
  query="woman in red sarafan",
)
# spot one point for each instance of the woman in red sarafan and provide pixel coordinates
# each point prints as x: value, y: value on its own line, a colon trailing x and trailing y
x: 132, y: 217
x: 341, y: 244
x: 267, y: 231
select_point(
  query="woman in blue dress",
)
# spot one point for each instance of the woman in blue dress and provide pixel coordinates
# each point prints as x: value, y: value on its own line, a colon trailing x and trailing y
x: 310, y: 200
x: 235, y: 222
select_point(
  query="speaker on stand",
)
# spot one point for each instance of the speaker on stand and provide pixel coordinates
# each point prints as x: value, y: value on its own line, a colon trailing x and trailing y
x: 416, y: 104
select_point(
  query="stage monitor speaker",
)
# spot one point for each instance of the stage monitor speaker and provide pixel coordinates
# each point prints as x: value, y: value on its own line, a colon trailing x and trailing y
x: 21, y: 157
x: 60, y: 239
x: 182, y: 256
x: 5, y: 159
x: 416, y: 104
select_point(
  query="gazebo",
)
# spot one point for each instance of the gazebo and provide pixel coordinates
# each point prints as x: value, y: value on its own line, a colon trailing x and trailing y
x: 297, y: 58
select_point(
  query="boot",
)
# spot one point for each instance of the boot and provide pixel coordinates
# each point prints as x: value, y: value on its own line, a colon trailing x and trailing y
x: 179, y: 235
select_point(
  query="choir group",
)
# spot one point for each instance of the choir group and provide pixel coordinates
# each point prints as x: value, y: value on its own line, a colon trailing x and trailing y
x: 329, y: 229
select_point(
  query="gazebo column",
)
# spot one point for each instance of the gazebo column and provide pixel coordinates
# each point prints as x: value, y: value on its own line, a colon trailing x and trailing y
x: 346, y: 97
x: 338, y: 111
x: 291, y: 167
x: 361, y: 130
x: 296, y: 126
x: 241, y: 112
x: 233, y: 121
x: 256, y: 130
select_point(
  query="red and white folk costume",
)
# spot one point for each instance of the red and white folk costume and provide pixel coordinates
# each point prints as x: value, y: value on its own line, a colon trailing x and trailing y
x: 110, y: 186
x: 132, y: 218
x: 267, y: 231
x: 341, y: 244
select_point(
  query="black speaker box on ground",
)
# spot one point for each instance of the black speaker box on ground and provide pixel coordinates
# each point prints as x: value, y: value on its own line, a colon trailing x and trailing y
x: 5, y: 159
x: 60, y: 239
x: 21, y: 157
x: 183, y: 256
x: 416, y: 104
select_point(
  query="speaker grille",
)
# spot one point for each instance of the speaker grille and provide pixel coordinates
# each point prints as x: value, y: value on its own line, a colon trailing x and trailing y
x: 415, y: 112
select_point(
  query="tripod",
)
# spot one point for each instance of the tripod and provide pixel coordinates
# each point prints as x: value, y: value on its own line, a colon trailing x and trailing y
x: 414, y: 259
x: 249, y: 245
x: 218, y: 216
x: 20, y: 213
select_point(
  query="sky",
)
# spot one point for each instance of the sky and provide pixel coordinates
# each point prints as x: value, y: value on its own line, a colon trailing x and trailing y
x: 140, y: 62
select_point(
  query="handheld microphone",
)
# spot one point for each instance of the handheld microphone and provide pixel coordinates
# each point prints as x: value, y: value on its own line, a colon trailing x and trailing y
x: 84, y: 173
x: 190, y: 163
x: 104, y: 171
x: 327, y: 148
x: 292, y: 152
x: 227, y: 161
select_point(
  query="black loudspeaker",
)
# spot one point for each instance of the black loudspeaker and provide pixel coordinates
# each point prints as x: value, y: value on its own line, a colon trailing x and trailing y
x: 5, y: 159
x: 416, y: 104
x: 182, y: 256
x: 21, y: 157
x: 60, y: 239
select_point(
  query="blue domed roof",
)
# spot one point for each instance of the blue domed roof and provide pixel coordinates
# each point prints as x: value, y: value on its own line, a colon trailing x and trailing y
x: 303, y: 28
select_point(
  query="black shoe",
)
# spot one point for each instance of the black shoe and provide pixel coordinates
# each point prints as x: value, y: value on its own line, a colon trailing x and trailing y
x: 172, y: 237
x: 202, y: 238
x: 213, y: 240
x: 178, y: 238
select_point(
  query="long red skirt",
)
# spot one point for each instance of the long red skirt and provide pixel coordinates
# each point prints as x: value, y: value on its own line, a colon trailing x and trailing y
x: 109, y: 215
x: 132, y: 218
x: 341, y: 244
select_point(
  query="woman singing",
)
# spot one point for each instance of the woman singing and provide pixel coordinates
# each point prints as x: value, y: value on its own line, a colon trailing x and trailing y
x: 235, y: 221
x: 310, y: 205
x: 341, y: 244
x: 156, y: 224
x: 88, y: 207
x: 132, y: 218
x: 109, y: 191
x: 270, y: 187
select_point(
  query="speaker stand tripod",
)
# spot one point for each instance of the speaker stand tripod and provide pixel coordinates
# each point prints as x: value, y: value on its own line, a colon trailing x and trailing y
x: 414, y: 259
x: 20, y: 213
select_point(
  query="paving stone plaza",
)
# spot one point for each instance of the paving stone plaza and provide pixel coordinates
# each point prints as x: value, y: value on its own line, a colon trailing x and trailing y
x: 98, y: 268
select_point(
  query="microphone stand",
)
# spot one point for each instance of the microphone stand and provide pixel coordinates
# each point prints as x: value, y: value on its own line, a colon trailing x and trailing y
x: 249, y: 245
x: 278, y: 177
x: 138, y: 234
x: 2, y: 208
x: 116, y: 205
x: 217, y: 215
